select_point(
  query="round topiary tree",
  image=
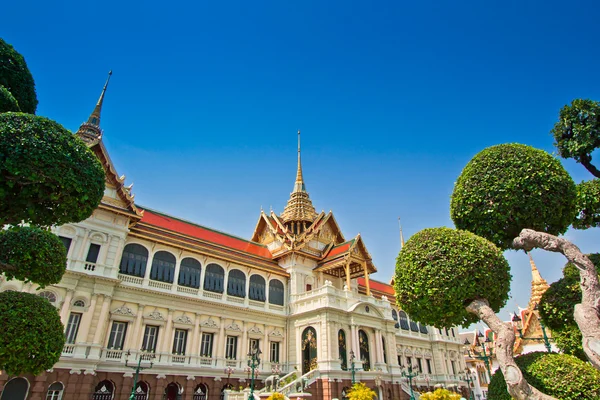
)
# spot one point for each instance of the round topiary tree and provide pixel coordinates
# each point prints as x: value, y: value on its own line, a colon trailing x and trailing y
x: 446, y: 277
x: 47, y: 176
x: 520, y: 197
x: 577, y: 132
x: 16, y: 78
x: 507, y: 188
x: 560, y: 375
x: 588, y: 205
x: 360, y: 391
x: 32, y: 335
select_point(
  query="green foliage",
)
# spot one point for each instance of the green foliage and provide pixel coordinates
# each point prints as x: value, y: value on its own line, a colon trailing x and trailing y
x: 7, y: 101
x: 577, y: 132
x: 15, y: 76
x: 509, y: 187
x: 441, y: 270
x: 588, y: 205
x: 440, y: 394
x: 360, y: 391
x: 32, y: 335
x: 49, y: 176
x: 276, y: 396
x: 568, y: 339
x: 560, y: 375
x: 33, y: 254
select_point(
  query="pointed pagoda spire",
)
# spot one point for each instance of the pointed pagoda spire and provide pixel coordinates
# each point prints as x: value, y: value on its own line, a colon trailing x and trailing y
x: 299, y: 208
x: 401, y: 235
x: 538, y: 284
x: 90, y: 131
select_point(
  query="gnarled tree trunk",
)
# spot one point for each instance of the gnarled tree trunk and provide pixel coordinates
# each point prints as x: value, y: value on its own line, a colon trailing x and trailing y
x: 586, y: 312
x: 505, y: 340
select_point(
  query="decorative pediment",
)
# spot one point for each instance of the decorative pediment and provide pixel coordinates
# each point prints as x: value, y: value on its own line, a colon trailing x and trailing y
x: 156, y: 315
x: 255, y: 329
x: 209, y: 323
x: 184, y: 319
x: 123, y: 310
x: 234, y: 327
x: 276, y: 333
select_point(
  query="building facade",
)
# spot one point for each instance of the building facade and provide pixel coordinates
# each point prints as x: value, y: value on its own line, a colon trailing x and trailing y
x: 146, y: 289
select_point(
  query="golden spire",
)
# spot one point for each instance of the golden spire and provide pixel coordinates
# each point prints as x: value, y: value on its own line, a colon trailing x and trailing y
x: 401, y: 235
x: 90, y: 131
x: 299, y: 208
x: 538, y: 284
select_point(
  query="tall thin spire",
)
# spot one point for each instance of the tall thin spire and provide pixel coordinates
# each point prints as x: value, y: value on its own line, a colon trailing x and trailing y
x: 299, y: 184
x: 401, y: 235
x: 90, y: 130
x: 538, y: 284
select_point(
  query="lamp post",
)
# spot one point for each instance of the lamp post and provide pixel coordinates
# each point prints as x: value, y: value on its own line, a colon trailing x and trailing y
x: 229, y: 371
x: 352, y: 358
x: 137, y: 368
x: 483, y: 353
x: 253, y: 363
x: 408, y: 373
x: 469, y: 379
x: 378, y: 385
x: 518, y: 324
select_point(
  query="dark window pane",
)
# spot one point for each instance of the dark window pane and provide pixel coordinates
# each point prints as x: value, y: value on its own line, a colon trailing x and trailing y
x: 66, y: 241
x: 276, y: 292
x: 134, y: 260
x: 93, y: 252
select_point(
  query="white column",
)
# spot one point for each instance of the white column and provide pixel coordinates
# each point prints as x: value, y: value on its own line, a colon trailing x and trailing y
x: 86, y: 320
x: 102, y: 321
x: 354, y: 342
x: 168, y: 334
x: 196, y: 336
x: 176, y: 275
x: 266, y: 351
x: 134, y: 339
x: 64, y: 311
x: 245, y: 348
x: 220, y: 353
x: 148, y: 268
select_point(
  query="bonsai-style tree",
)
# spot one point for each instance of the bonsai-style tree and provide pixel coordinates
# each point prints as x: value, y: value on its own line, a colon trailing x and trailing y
x: 577, y: 132
x: 521, y: 198
x: 560, y: 375
x: 47, y: 176
x: 440, y: 394
x: 446, y: 277
x: 360, y: 391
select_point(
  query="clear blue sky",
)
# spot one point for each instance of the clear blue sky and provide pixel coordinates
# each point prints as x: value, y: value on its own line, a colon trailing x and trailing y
x: 393, y: 99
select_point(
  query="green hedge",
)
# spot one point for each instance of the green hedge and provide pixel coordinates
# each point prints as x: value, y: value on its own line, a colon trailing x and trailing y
x: 15, y: 76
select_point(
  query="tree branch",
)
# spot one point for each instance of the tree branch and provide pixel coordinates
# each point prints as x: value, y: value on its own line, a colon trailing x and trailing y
x: 586, y: 312
x: 586, y: 161
x: 517, y: 385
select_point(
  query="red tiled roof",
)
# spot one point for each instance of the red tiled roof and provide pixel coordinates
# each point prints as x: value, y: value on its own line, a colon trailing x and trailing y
x: 379, y: 286
x: 202, y: 233
x: 339, y: 249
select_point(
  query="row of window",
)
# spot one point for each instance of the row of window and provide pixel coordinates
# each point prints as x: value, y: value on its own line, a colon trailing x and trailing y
x: 403, y: 322
x: 17, y: 389
x: 118, y: 332
x: 135, y: 259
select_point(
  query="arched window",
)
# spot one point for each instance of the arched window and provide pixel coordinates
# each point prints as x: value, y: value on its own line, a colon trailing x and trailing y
x: 201, y: 392
x: 15, y: 389
x: 345, y: 391
x: 104, y: 391
x: 134, y: 260
x: 422, y: 328
x: 142, y: 390
x: 394, y: 315
x: 236, y: 283
x: 309, y: 349
x: 163, y: 267
x: 257, y: 290
x: 342, y: 349
x: 172, y: 391
x: 276, y: 292
x: 51, y: 297
x: 213, y: 278
x: 363, y: 344
x: 79, y: 303
x: 403, y: 320
x: 414, y: 326
x: 189, y: 273
x: 55, y: 391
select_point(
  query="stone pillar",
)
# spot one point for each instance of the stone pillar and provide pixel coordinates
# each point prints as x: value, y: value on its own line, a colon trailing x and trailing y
x: 176, y: 275
x: 245, y: 347
x: 86, y: 320
x: 133, y: 341
x: 148, y: 269
x: 196, y: 337
x: 220, y: 353
x: 164, y: 348
x: 102, y: 320
x: 64, y: 311
x: 161, y: 384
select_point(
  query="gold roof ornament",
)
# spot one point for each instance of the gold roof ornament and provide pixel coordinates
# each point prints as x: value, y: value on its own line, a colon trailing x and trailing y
x: 538, y: 284
x: 90, y: 130
x: 299, y: 208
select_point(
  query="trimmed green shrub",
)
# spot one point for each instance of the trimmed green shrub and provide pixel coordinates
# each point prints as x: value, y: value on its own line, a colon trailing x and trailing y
x: 15, y: 76
x: 509, y: 187
x: 568, y: 339
x: 32, y: 336
x: 35, y: 255
x: 560, y: 375
x: 440, y: 394
x: 588, y: 205
x: 577, y: 132
x: 49, y: 175
x: 441, y: 270
x: 360, y: 391
x: 7, y: 101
